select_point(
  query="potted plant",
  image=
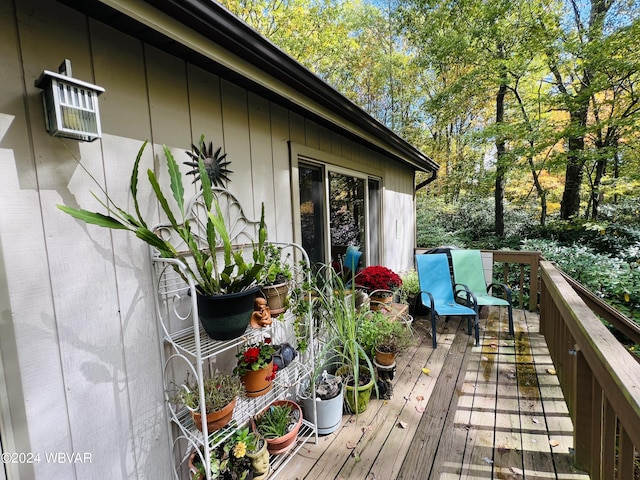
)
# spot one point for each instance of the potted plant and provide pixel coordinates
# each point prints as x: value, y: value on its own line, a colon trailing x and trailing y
x: 217, y: 465
x: 221, y: 392
x: 255, y: 367
x: 256, y: 451
x: 383, y: 338
x: 279, y: 424
x: 409, y: 289
x: 248, y: 456
x: 242, y: 456
x: 277, y: 275
x: 381, y: 283
x: 327, y: 402
x: 341, y: 323
x: 226, y: 289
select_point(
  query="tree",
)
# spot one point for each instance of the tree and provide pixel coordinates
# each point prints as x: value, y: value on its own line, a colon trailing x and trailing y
x: 581, y: 62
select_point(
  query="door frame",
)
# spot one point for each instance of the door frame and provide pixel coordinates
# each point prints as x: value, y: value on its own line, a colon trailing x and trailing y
x: 329, y: 162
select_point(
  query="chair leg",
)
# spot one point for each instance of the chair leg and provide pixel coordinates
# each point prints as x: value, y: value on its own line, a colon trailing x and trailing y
x: 477, y: 320
x: 433, y: 328
x: 510, y: 314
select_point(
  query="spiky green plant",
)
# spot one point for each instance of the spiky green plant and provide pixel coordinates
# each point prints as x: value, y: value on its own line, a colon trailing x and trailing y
x: 234, y: 275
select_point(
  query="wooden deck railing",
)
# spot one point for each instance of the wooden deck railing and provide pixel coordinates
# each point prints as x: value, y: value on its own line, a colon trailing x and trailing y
x: 599, y: 378
x: 523, y: 266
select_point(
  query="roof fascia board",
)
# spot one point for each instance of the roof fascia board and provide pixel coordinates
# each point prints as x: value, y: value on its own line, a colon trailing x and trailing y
x: 159, y: 21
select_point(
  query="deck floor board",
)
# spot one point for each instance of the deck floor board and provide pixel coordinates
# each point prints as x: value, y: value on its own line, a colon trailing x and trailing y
x: 493, y: 411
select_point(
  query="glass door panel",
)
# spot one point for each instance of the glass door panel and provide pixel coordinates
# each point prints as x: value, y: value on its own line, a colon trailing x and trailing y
x: 346, y: 215
x: 312, y: 212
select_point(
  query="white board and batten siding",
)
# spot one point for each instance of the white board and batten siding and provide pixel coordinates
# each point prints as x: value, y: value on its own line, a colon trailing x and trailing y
x: 78, y: 336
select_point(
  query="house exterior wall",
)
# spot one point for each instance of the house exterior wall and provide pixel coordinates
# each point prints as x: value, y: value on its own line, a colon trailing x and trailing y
x: 79, y: 343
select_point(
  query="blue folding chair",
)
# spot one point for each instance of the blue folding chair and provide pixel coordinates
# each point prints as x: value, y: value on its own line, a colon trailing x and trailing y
x: 468, y: 270
x: 436, y: 293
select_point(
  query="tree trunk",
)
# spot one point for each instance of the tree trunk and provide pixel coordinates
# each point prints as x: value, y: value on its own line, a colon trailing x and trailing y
x: 501, y: 167
x: 570, y: 205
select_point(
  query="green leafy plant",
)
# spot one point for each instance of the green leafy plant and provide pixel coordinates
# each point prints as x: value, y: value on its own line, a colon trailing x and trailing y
x: 229, y: 459
x: 276, y: 268
x: 234, y: 275
x: 378, y: 331
x: 274, y: 422
x: 410, y: 285
x: 336, y: 304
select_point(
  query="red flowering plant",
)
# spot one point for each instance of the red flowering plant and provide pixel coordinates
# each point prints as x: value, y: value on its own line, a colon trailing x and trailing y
x: 377, y: 277
x: 255, y: 357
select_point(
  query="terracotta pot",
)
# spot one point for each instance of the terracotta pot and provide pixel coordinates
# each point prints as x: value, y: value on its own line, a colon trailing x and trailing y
x: 379, y: 302
x: 285, y: 443
x: 260, y: 462
x: 194, y: 462
x: 385, y: 358
x: 258, y: 382
x: 215, y: 420
x: 276, y: 296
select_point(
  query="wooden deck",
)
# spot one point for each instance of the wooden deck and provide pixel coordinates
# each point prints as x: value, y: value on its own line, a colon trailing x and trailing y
x: 492, y: 412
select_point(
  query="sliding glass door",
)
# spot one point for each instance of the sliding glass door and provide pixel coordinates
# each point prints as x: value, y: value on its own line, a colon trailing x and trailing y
x: 338, y: 209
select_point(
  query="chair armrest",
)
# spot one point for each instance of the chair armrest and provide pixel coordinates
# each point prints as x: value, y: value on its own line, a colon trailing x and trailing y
x: 419, y: 299
x: 504, y: 286
x: 471, y: 298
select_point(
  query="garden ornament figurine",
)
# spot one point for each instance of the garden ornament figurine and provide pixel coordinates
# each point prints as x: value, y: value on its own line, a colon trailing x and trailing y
x: 261, y: 317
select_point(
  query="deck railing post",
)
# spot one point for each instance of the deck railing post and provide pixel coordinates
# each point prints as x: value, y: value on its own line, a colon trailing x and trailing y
x: 583, y: 412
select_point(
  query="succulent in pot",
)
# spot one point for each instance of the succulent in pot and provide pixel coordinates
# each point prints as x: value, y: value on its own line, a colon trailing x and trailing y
x: 276, y: 277
x: 221, y: 391
x: 279, y: 424
x: 235, y: 275
x: 195, y: 253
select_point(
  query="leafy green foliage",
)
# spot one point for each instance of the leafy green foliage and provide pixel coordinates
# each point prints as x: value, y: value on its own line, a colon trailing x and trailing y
x: 377, y: 330
x: 274, y: 422
x: 235, y: 275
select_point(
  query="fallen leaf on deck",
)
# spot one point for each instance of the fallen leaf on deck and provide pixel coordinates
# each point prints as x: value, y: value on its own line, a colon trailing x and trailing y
x: 517, y: 470
x: 419, y: 408
x: 426, y: 371
x: 356, y: 456
x: 554, y: 443
x: 504, y: 448
x: 351, y: 445
x: 551, y: 371
x: 419, y: 398
x: 487, y: 460
x: 385, y: 402
x: 403, y: 424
